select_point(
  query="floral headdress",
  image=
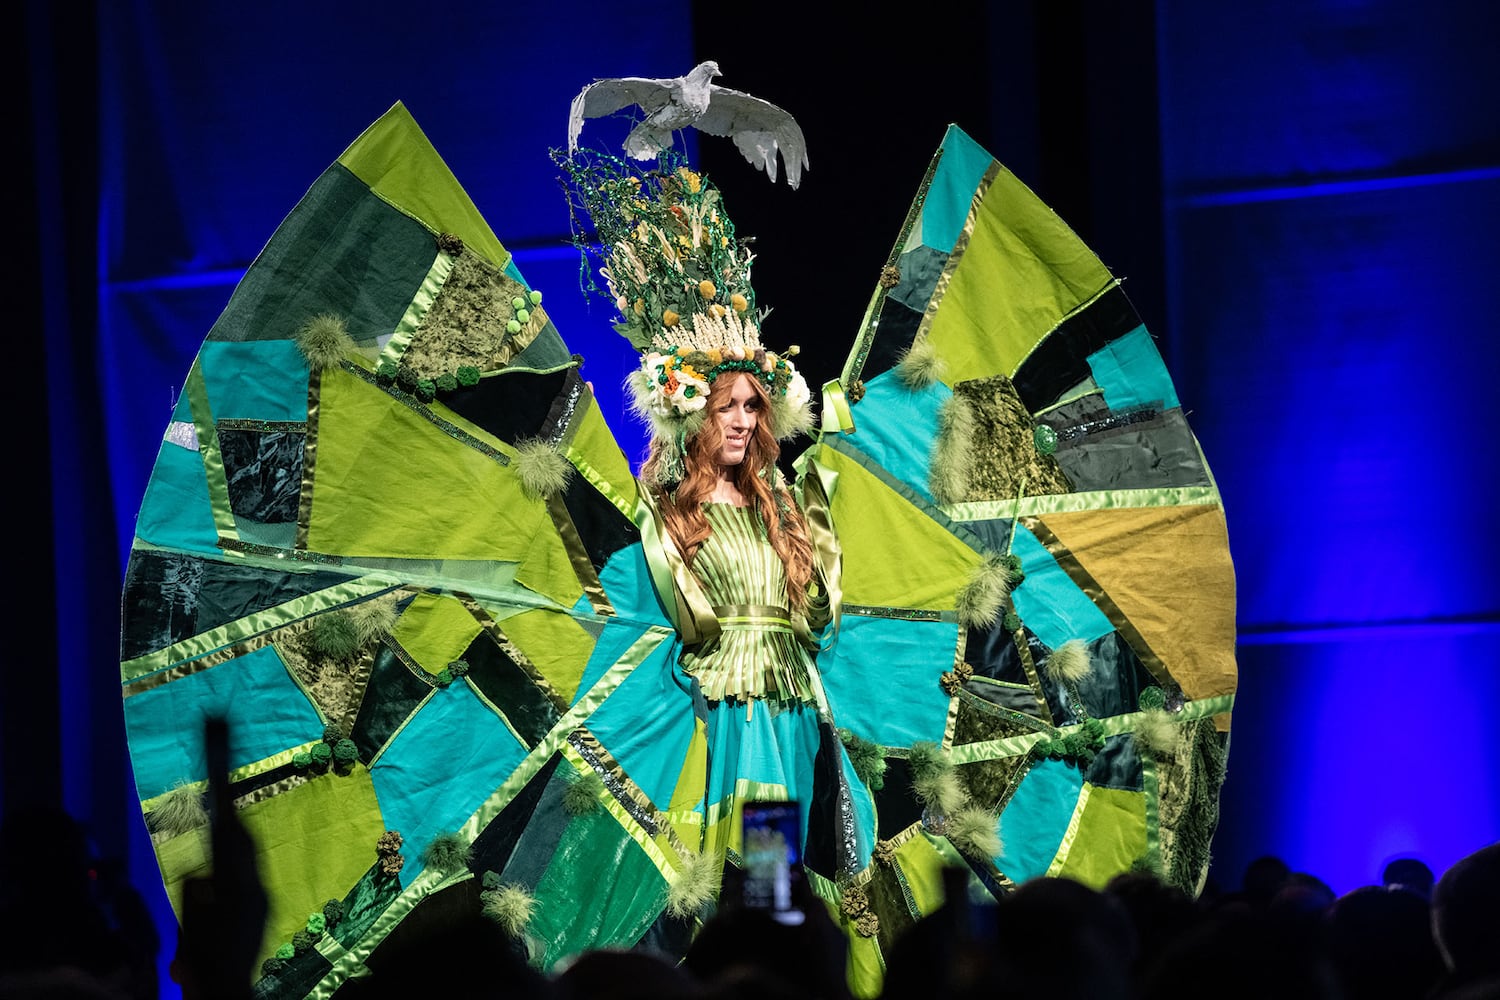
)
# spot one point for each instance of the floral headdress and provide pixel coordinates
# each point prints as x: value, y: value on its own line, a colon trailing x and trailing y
x: 680, y: 280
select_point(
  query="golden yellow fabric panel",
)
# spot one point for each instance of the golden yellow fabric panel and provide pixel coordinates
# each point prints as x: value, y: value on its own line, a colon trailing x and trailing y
x: 397, y: 161
x: 321, y: 835
x: 435, y: 630
x: 1168, y: 571
x: 555, y: 644
x: 1020, y: 272
x: 921, y: 564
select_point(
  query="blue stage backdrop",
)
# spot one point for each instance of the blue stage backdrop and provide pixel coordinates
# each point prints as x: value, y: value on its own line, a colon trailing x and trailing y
x: 1328, y: 198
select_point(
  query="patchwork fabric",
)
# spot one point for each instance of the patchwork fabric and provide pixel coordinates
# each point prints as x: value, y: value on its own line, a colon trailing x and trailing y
x: 447, y: 676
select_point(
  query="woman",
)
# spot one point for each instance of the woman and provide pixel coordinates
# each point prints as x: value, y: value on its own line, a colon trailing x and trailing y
x: 738, y: 530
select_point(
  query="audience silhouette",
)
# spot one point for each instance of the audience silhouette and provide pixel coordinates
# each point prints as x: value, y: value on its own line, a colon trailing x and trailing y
x: 76, y: 930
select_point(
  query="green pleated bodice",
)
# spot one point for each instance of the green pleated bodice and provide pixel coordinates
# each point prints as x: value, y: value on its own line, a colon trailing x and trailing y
x: 757, y: 655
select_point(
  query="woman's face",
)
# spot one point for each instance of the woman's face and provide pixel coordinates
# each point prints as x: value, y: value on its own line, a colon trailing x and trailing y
x: 738, y: 414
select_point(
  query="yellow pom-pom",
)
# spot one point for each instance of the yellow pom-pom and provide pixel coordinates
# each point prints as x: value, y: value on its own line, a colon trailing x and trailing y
x: 739, y: 302
x: 669, y: 318
x: 717, y: 311
x: 706, y: 289
x: 640, y: 307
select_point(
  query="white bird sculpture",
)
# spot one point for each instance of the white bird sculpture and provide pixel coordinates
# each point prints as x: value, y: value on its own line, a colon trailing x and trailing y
x: 759, y: 128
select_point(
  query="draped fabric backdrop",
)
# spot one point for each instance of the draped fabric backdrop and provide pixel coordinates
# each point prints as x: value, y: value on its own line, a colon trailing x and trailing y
x: 1302, y: 196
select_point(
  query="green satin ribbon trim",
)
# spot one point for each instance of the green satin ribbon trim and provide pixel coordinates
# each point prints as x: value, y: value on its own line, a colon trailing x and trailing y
x: 625, y: 504
x: 1074, y: 821
x: 280, y: 759
x: 837, y: 418
x: 681, y: 594
x: 578, y: 556
x: 352, y: 960
x: 1114, y: 725
x: 816, y: 484
x: 242, y: 629
x: 558, y: 734
x: 208, y: 450
x: 1151, y: 785
x: 754, y: 617
x: 621, y: 815
x: 417, y: 310
x: 1066, y: 503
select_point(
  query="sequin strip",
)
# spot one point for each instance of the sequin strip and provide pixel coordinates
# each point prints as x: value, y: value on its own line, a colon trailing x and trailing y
x: 856, y: 365
x: 905, y: 614
x: 559, y: 424
x: 989, y: 708
x: 624, y: 791
x: 423, y: 410
x: 297, y: 555
x: 263, y: 426
x: 1120, y: 419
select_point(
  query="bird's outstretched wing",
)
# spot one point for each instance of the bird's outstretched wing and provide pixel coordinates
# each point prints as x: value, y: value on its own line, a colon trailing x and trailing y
x: 605, y: 97
x: 1037, y: 576
x: 760, y: 131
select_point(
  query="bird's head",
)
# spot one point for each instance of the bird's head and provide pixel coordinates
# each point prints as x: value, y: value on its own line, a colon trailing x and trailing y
x: 705, y: 71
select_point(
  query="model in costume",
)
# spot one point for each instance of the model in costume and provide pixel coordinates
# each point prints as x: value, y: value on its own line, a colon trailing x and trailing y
x: 470, y: 662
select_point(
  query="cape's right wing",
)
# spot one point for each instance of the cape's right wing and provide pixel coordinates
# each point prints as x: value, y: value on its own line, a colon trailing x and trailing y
x: 1036, y: 568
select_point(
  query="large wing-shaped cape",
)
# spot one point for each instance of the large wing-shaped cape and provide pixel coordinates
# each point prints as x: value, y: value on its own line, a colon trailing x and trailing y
x: 1036, y: 571
x: 390, y: 539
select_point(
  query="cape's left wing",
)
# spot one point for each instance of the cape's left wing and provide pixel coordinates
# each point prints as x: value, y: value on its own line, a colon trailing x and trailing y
x: 390, y: 539
x: 1038, y: 594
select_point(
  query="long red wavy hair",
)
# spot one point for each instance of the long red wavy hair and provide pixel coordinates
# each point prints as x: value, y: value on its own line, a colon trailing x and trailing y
x: 682, y: 510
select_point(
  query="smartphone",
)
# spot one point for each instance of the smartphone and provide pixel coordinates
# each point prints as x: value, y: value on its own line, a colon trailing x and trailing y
x: 771, y: 844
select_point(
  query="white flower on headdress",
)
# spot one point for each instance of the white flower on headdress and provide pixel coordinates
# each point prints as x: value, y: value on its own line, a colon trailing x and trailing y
x: 691, y: 394
x: 797, y: 392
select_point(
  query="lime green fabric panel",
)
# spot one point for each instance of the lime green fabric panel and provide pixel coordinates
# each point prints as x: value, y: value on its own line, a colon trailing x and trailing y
x: 601, y: 889
x: 548, y: 569
x: 556, y: 644
x: 922, y: 869
x: 921, y: 564
x: 595, y: 444
x: 396, y: 159
x: 314, y: 841
x: 183, y: 857
x: 435, y: 630
x: 389, y: 482
x: 866, y: 967
x: 1111, y: 835
x: 1021, y: 272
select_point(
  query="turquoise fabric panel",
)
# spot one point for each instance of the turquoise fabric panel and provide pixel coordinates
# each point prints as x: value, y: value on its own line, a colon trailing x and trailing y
x: 909, y: 657
x: 266, y: 711
x: 616, y: 637
x: 648, y: 722
x: 627, y: 584
x: 1036, y: 819
x: 1130, y: 371
x: 959, y: 172
x: 1049, y: 602
x: 773, y: 746
x: 175, y: 512
x: 278, y: 392
x: 453, y: 732
x: 897, y: 427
